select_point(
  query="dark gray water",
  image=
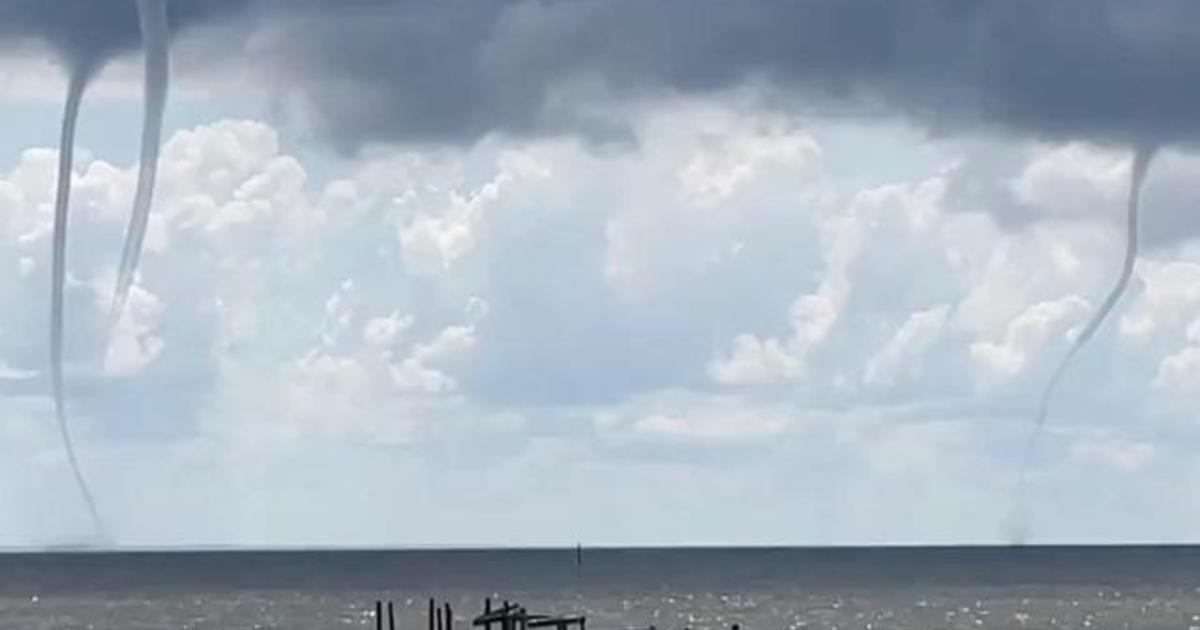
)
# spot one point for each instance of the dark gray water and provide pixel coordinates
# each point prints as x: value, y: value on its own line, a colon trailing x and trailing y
x: 1028, y: 587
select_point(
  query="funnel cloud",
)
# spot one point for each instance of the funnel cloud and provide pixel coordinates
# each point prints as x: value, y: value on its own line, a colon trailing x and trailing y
x: 1141, y: 164
x: 1137, y: 178
x: 80, y: 77
x: 153, y: 17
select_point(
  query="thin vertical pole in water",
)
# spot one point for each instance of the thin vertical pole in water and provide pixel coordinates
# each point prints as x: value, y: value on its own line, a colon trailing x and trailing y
x: 449, y: 618
x: 431, y: 614
x: 378, y: 615
x: 391, y: 617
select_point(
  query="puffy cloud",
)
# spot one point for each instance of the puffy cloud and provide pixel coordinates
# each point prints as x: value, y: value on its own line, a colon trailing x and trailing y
x: 812, y: 318
x: 726, y: 303
x: 232, y: 199
x: 134, y: 342
x: 753, y: 360
x: 730, y: 159
x: 431, y: 244
x: 901, y: 356
x: 420, y: 371
x: 1079, y: 182
x: 1170, y: 299
x: 1027, y: 336
x: 715, y: 178
x: 902, y: 216
x: 339, y: 313
x: 1178, y: 374
x: 384, y: 332
x: 1008, y: 299
x: 1074, y: 180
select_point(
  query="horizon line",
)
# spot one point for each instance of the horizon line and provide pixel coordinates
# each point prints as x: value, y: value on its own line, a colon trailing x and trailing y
x: 82, y: 549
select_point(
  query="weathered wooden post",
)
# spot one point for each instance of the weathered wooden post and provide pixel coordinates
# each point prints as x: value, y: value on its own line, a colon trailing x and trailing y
x: 391, y: 616
x: 431, y: 621
x: 449, y: 617
x: 378, y: 615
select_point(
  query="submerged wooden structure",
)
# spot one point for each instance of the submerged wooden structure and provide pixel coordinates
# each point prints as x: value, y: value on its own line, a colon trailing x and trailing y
x: 508, y: 616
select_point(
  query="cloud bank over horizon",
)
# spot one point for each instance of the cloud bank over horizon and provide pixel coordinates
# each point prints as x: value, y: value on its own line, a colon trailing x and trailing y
x: 727, y: 314
x: 816, y: 259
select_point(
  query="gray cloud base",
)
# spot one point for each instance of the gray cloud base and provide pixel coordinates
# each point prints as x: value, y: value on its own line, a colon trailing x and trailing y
x: 454, y: 70
x: 81, y: 31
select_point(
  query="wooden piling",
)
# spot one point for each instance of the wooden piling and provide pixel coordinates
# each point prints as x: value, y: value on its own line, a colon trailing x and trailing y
x: 513, y: 616
x: 391, y: 616
x: 449, y: 617
x: 378, y: 615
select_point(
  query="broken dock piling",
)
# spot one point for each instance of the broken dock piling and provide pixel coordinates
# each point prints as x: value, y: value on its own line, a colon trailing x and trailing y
x: 391, y: 615
x: 508, y: 616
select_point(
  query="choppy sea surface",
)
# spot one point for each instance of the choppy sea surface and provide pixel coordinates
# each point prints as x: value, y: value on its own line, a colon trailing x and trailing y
x: 900, y: 588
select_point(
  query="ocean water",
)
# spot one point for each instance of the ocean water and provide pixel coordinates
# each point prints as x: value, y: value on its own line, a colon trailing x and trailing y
x: 900, y: 588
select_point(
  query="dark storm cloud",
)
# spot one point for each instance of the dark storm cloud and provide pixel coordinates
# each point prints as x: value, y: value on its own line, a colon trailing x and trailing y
x: 91, y: 31
x: 456, y: 69
x: 77, y: 29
